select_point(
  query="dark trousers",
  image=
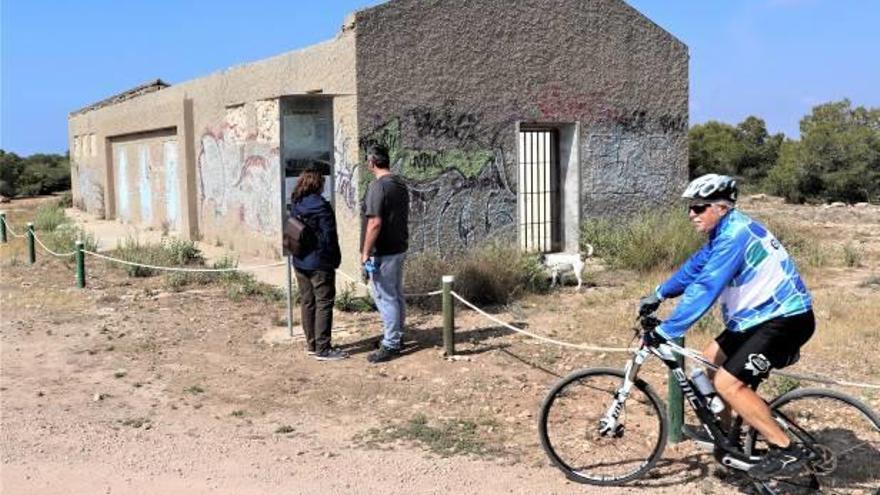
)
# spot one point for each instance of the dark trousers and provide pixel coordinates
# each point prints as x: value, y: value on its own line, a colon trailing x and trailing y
x: 317, y: 292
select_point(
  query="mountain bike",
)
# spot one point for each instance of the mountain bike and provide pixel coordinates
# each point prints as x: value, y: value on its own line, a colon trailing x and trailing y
x: 605, y: 426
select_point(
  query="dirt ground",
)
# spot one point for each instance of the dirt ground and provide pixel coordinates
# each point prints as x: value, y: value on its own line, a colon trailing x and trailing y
x: 126, y: 387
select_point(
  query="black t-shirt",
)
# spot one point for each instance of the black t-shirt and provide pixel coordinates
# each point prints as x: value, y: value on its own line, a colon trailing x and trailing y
x: 388, y: 199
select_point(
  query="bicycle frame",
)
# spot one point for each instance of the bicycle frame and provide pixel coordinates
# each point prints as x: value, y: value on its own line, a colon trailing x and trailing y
x: 727, y: 450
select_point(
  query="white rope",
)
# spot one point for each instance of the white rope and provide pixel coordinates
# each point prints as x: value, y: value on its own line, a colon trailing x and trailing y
x: 9, y: 228
x: 539, y: 337
x: 53, y: 253
x: 179, y: 269
x: 697, y: 356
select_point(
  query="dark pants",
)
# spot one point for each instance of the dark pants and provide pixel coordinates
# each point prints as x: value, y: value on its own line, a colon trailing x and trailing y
x: 317, y: 292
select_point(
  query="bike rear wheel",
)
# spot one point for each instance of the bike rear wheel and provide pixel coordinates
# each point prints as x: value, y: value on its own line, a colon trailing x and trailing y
x: 843, y: 430
x: 569, y: 428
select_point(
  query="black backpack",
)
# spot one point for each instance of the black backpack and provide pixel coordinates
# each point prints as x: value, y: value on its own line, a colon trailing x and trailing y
x: 299, y: 237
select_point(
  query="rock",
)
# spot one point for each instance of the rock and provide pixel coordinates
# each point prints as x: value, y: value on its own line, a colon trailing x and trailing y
x: 99, y: 397
x: 758, y: 197
x: 4, y: 199
x: 861, y: 205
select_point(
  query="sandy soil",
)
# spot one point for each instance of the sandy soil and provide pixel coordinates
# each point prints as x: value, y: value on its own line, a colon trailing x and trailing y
x: 126, y: 387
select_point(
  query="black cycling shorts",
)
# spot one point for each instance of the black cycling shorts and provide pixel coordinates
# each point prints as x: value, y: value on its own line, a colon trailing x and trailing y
x: 772, y: 344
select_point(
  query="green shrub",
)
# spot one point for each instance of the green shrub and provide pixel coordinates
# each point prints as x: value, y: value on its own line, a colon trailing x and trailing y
x: 48, y: 217
x: 168, y: 252
x: 492, y: 274
x: 65, y: 200
x: 650, y: 240
x: 347, y: 300
x: 63, y: 239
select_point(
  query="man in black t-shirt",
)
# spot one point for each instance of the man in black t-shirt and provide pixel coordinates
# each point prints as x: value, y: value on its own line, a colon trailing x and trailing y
x: 385, y: 239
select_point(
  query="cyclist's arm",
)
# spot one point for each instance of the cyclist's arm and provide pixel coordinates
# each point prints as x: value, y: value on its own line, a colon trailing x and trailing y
x: 727, y: 256
x: 678, y: 282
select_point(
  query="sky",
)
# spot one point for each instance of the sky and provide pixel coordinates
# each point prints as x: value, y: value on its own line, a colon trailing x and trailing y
x: 774, y: 59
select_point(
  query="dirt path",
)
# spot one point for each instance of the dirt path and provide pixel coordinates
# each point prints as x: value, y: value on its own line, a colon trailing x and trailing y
x: 128, y: 387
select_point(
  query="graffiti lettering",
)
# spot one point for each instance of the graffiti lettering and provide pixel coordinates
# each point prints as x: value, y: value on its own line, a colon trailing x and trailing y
x: 445, y: 123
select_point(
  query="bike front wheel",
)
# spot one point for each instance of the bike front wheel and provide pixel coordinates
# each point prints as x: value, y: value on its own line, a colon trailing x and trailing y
x: 841, y: 430
x: 571, y: 430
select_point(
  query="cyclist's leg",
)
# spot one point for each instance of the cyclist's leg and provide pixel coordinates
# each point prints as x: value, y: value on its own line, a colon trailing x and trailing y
x: 715, y: 354
x: 772, y: 344
x: 750, y: 406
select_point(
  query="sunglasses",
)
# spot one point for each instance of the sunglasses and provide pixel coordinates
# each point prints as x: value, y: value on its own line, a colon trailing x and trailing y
x: 699, y: 208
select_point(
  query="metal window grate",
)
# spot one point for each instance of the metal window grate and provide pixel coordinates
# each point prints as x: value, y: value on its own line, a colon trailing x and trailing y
x: 539, y: 226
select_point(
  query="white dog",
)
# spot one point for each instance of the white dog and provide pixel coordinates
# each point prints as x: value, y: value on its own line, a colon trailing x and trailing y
x: 560, y: 263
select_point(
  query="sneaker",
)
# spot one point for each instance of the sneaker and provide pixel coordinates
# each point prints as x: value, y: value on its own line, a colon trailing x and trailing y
x: 382, y: 355
x: 781, y: 463
x: 698, y: 435
x: 331, y: 355
x: 311, y: 352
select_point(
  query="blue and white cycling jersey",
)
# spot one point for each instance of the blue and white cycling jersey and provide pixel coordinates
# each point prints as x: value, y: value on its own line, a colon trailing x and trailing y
x: 746, y: 268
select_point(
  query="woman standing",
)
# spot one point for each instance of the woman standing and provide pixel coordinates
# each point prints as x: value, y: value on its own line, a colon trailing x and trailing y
x: 316, y: 270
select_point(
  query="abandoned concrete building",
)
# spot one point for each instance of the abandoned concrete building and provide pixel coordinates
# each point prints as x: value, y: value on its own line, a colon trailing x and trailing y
x: 512, y: 120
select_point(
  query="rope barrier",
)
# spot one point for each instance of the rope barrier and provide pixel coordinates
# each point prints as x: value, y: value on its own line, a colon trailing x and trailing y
x: 53, y: 253
x: 180, y: 269
x: 697, y: 356
x: 9, y: 228
x: 539, y: 337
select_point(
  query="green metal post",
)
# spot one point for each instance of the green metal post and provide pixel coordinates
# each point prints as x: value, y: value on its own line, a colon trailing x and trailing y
x: 80, y: 265
x: 32, y: 251
x: 675, y: 407
x: 3, y: 227
x: 448, y: 316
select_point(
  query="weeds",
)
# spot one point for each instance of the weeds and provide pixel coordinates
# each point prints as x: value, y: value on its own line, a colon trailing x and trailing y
x: 491, y: 275
x: 285, y: 429
x: 146, y: 423
x: 852, y: 256
x: 49, y: 217
x: 348, y: 301
x: 168, y: 252
x: 649, y: 240
x: 872, y: 281
x: 63, y: 239
x: 447, y: 438
x: 194, y: 390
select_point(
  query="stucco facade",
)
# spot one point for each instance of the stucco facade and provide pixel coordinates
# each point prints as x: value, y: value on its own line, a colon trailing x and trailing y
x: 452, y: 87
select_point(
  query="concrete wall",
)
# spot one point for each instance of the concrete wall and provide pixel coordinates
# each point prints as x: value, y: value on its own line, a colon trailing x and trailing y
x: 226, y: 127
x: 445, y: 85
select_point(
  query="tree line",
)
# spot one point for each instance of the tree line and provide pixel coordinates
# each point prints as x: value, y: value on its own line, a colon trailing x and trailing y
x: 837, y: 157
x: 34, y: 175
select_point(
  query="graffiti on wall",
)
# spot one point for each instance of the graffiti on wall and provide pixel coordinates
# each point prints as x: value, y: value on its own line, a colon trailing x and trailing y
x: 459, y: 194
x: 91, y: 191
x: 145, y: 189
x: 556, y: 104
x: 345, y: 171
x: 172, y: 190
x: 240, y: 178
x: 122, y: 197
x: 627, y: 163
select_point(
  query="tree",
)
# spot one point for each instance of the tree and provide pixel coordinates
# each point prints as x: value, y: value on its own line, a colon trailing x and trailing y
x: 837, y: 158
x: 747, y: 150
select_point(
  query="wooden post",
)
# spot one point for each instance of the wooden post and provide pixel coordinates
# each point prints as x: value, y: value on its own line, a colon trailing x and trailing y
x: 289, y: 297
x: 448, y: 316
x: 3, y: 227
x: 675, y: 407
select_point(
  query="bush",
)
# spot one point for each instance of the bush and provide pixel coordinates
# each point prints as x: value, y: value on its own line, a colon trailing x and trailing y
x: 168, y: 252
x: 348, y: 301
x: 650, y: 240
x: 48, y: 217
x: 493, y: 274
x: 63, y: 239
x: 65, y: 200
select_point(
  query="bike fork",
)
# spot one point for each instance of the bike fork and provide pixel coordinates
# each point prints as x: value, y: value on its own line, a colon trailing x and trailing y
x: 610, y: 425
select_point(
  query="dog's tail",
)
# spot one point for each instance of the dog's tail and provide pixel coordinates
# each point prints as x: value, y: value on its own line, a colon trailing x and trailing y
x: 588, y: 253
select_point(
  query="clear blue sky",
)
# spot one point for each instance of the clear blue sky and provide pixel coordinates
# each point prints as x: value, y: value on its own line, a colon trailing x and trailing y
x: 771, y: 58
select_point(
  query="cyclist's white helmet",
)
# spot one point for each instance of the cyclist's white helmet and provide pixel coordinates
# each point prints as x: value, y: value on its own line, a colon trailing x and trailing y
x: 712, y: 187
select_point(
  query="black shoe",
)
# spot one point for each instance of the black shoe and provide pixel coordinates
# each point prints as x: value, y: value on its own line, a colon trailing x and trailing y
x: 382, y: 355
x: 781, y: 463
x: 331, y: 355
x: 698, y: 435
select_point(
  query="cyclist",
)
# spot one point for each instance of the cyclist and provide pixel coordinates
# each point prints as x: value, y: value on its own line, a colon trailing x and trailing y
x: 766, y: 308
